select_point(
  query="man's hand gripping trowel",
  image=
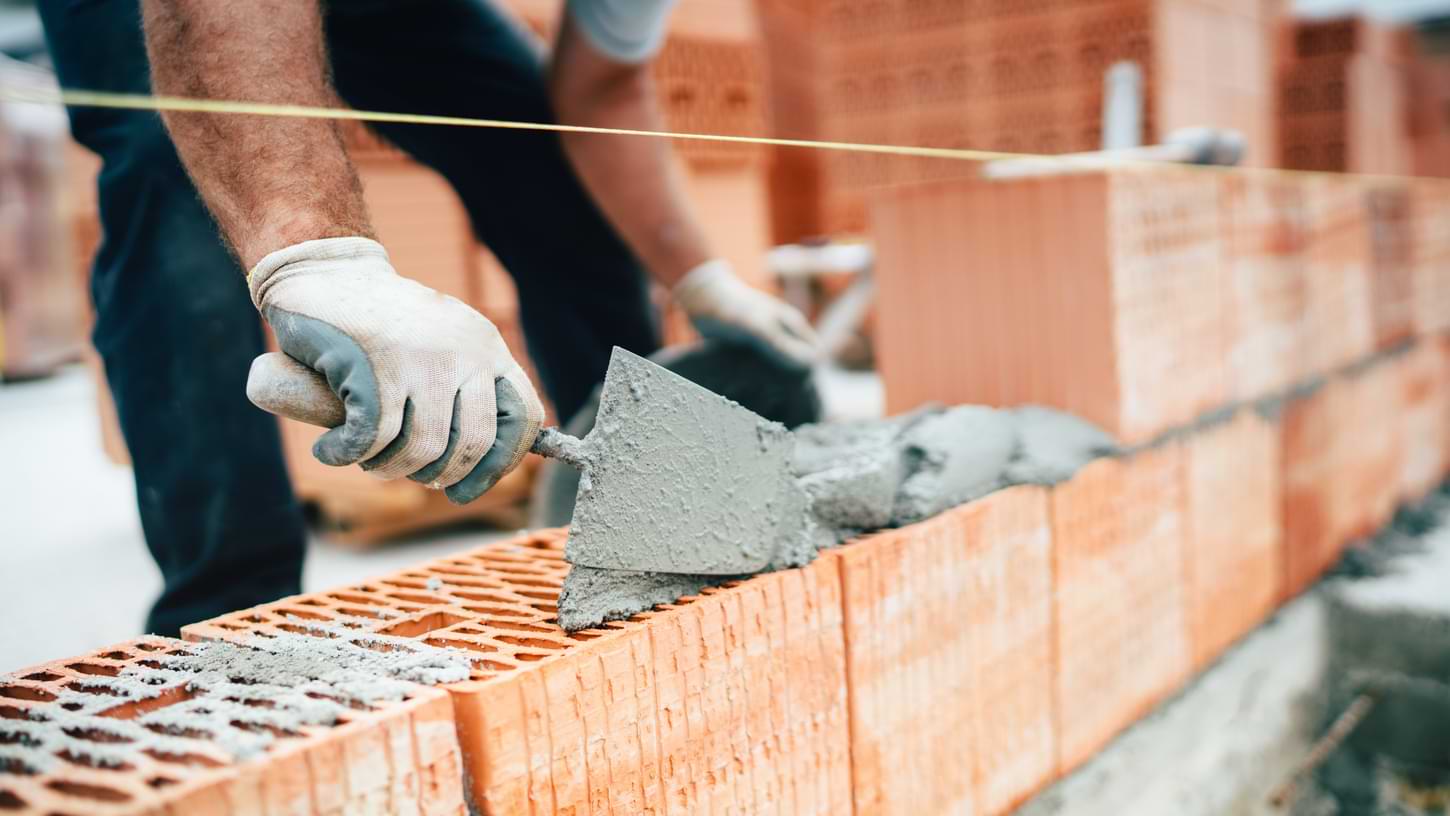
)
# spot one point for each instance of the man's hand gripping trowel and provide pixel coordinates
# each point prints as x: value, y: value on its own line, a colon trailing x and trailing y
x: 680, y: 486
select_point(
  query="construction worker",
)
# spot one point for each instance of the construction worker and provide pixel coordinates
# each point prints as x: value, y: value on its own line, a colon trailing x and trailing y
x: 430, y: 389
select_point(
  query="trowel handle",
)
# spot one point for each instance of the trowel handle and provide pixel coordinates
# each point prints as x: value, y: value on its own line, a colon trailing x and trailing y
x: 282, y: 386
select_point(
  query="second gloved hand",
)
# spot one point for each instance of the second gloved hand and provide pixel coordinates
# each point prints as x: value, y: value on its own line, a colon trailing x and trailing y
x: 720, y: 305
x: 429, y: 388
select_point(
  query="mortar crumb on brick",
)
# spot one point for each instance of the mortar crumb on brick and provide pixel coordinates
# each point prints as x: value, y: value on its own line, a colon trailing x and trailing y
x: 157, y: 723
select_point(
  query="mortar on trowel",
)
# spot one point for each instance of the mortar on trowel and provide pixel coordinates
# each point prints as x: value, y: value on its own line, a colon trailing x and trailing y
x: 680, y: 487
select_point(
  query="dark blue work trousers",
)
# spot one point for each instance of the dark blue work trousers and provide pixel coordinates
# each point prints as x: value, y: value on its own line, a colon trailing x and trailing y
x: 175, y: 326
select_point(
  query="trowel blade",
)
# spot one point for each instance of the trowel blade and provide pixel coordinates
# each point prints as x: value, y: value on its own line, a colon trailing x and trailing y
x: 680, y: 479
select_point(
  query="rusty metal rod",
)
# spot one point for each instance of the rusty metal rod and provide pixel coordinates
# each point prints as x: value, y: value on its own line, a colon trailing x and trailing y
x: 1358, y: 709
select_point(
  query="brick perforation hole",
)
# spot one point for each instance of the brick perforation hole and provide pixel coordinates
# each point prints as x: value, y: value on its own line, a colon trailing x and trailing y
x: 82, y: 790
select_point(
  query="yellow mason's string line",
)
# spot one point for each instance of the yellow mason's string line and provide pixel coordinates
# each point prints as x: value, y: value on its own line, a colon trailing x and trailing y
x: 107, y: 99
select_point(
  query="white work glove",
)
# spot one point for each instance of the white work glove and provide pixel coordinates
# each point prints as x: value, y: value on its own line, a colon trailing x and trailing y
x: 428, y: 387
x: 722, y: 306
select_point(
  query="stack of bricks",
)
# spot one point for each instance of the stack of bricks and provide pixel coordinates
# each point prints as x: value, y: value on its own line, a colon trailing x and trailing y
x: 1344, y: 97
x: 390, y: 757
x: 1002, y: 76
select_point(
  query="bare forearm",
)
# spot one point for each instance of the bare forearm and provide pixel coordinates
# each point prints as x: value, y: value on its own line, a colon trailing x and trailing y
x: 269, y: 181
x: 635, y: 180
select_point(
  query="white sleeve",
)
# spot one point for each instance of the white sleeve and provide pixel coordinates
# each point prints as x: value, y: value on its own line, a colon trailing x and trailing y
x: 623, y: 30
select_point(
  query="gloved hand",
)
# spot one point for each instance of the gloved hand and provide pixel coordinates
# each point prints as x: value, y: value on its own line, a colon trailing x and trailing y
x: 429, y: 388
x: 720, y: 305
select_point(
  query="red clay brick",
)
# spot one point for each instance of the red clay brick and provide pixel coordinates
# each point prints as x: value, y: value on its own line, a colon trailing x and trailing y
x: 1425, y: 403
x: 734, y: 700
x: 948, y: 627
x: 1345, y: 110
x: 1338, y: 327
x: 1430, y: 245
x: 1370, y: 448
x: 1392, y: 307
x: 400, y: 757
x: 1341, y: 454
x: 1122, y: 637
x: 1309, y: 429
x: 1231, y: 545
x: 1266, y: 284
x: 1002, y: 77
x: 1128, y: 331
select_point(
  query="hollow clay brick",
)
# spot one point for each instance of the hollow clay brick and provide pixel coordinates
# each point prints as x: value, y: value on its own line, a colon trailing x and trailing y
x: 1370, y: 442
x: 1425, y: 403
x: 400, y: 757
x: 735, y: 699
x: 1231, y: 544
x: 1122, y: 637
x: 948, y: 626
x: 1133, y: 298
x: 1308, y: 432
x: 1338, y: 318
x: 1265, y: 297
x: 1341, y: 450
x: 1391, y: 273
x: 1430, y: 248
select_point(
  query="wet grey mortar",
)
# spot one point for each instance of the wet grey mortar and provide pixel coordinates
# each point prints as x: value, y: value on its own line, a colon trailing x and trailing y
x: 855, y: 477
x: 301, y: 680
x: 678, y: 479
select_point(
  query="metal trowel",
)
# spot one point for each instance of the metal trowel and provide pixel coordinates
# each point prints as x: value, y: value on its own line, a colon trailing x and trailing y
x: 675, y: 478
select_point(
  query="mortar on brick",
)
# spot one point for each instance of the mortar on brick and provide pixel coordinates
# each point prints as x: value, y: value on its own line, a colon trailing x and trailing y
x: 592, y: 596
x: 708, y: 491
x: 939, y: 458
x: 849, y: 478
x: 230, y: 698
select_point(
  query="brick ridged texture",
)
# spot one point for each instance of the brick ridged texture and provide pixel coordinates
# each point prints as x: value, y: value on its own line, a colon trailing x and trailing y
x: 399, y: 758
x: 1344, y: 97
x: 948, y: 625
x: 1141, y: 298
x: 1122, y: 637
x: 1430, y: 249
x: 1265, y: 282
x: 1425, y: 400
x: 1097, y: 293
x: 1429, y: 126
x: 999, y: 76
x: 1337, y: 322
x: 1391, y: 269
x: 1231, y: 544
x: 1342, y: 451
x: 732, y: 700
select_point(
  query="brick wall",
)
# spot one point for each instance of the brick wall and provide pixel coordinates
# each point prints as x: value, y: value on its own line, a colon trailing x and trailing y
x: 1141, y: 298
x: 997, y: 76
